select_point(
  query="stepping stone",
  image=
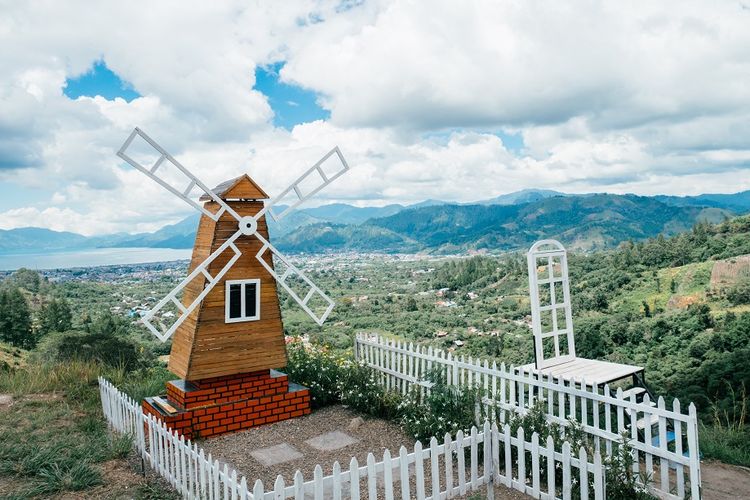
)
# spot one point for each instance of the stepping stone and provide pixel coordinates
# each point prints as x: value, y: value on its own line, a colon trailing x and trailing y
x: 331, y: 441
x: 276, y: 454
x: 5, y: 400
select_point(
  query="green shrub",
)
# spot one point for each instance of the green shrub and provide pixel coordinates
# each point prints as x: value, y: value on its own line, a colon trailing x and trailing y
x: 731, y: 446
x: 620, y: 481
x: 359, y: 389
x: 315, y: 368
x: 443, y: 409
x: 728, y: 437
x: 334, y: 378
x: 104, y: 348
x: 739, y: 293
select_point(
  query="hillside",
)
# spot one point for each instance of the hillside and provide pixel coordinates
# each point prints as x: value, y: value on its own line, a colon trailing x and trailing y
x: 510, y: 221
x: 31, y: 239
x: 738, y: 202
x: 581, y: 222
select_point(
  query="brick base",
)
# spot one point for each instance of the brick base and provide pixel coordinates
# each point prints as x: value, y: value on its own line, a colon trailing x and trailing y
x: 214, y: 406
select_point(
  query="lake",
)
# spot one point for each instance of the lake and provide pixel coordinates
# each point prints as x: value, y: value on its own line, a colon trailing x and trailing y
x: 91, y: 258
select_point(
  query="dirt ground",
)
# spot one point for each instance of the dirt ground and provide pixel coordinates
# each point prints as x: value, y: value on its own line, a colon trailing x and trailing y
x: 722, y: 481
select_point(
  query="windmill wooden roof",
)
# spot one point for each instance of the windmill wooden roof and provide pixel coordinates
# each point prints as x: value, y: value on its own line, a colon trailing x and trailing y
x: 242, y: 187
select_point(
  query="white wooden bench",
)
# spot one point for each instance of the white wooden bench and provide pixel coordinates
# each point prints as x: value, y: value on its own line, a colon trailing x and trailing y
x: 552, y: 322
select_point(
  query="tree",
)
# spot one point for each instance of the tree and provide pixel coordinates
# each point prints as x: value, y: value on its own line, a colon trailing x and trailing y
x: 28, y: 279
x: 15, y: 319
x: 411, y: 304
x: 739, y: 293
x: 55, y: 316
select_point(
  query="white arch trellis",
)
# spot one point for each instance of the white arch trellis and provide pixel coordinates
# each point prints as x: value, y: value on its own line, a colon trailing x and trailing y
x: 548, y: 276
x: 552, y: 322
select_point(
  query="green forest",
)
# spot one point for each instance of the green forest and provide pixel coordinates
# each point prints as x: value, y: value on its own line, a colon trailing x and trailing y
x: 679, y: 306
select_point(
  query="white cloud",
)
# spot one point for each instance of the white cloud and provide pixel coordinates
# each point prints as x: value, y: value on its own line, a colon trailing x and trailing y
x: 608, y: 96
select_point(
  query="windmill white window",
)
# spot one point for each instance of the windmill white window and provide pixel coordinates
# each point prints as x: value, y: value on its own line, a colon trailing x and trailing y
x: 242, y: 301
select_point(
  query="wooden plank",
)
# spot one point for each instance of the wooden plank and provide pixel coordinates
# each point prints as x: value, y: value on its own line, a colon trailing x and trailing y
x: 594, y: 371
x: 164, y: 405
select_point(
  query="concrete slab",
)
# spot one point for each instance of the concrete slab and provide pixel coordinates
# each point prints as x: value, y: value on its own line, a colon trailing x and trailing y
x: 331, y: 441
x: 276, y: 454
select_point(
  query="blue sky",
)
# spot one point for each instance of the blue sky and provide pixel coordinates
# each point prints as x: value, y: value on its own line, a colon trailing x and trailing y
x: 426, y: 100
x: 99, y: 80
x: 291, y: 104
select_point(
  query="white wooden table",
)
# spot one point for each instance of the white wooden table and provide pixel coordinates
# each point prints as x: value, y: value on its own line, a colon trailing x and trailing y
x: 591, y: 370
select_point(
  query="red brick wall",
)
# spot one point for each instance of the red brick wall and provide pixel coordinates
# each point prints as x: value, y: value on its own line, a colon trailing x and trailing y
x: 216, y: 406
x: 221, y: 390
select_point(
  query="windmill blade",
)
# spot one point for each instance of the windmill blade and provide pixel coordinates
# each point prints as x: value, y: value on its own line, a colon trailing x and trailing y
x: 190, y: 180
x: 300, y: 188
x: 156, y: 326
x: 292, y: 271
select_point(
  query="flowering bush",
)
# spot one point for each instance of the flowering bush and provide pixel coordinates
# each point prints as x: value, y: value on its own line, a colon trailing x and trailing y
x: 334, y: 378
x: 360, y: 390
x: 316, y: 368
x: 442, y: 409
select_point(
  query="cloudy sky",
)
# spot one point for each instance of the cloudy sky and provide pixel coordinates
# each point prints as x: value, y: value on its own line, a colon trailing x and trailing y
x: 448, y: 100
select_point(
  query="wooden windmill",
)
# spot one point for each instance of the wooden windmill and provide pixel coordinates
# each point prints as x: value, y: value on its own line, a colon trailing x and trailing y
x: 229, y: 336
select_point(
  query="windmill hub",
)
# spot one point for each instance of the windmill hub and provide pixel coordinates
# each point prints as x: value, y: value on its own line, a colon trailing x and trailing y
x: 248, y: 225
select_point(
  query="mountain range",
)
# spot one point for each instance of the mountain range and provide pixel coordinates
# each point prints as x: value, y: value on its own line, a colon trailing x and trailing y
x: 510, y: 221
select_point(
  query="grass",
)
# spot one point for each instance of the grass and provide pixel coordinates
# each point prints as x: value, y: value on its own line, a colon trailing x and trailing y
x: 727, y: 439
x: 53, y: 438
x: 155, y: 491
x: 11, y: 357
x: 731, y: 446
x: 691, y: 282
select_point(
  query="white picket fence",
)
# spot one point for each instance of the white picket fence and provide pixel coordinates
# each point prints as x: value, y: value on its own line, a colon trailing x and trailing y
x: 494, y: 456
x: 604, y: 414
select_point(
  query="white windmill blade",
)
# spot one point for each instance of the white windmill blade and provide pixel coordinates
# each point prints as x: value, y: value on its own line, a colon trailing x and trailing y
x: 191, y: 180
x: 299, y: 188
x: 162, y: 332
x: 291, y: 271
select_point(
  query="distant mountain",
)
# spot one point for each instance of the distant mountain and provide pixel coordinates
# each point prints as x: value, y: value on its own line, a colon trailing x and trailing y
x: 512, y: 220
x: 342, y: 237
x: 582, y: 222
x: 738, y: 202
x: 180, y: 235
x: 523, y: 196
x: 346, y: 214
x: 34, y: 239
x: 431, y: 203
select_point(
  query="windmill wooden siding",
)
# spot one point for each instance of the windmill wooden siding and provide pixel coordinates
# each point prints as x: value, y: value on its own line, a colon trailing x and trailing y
x: 205, y: 345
